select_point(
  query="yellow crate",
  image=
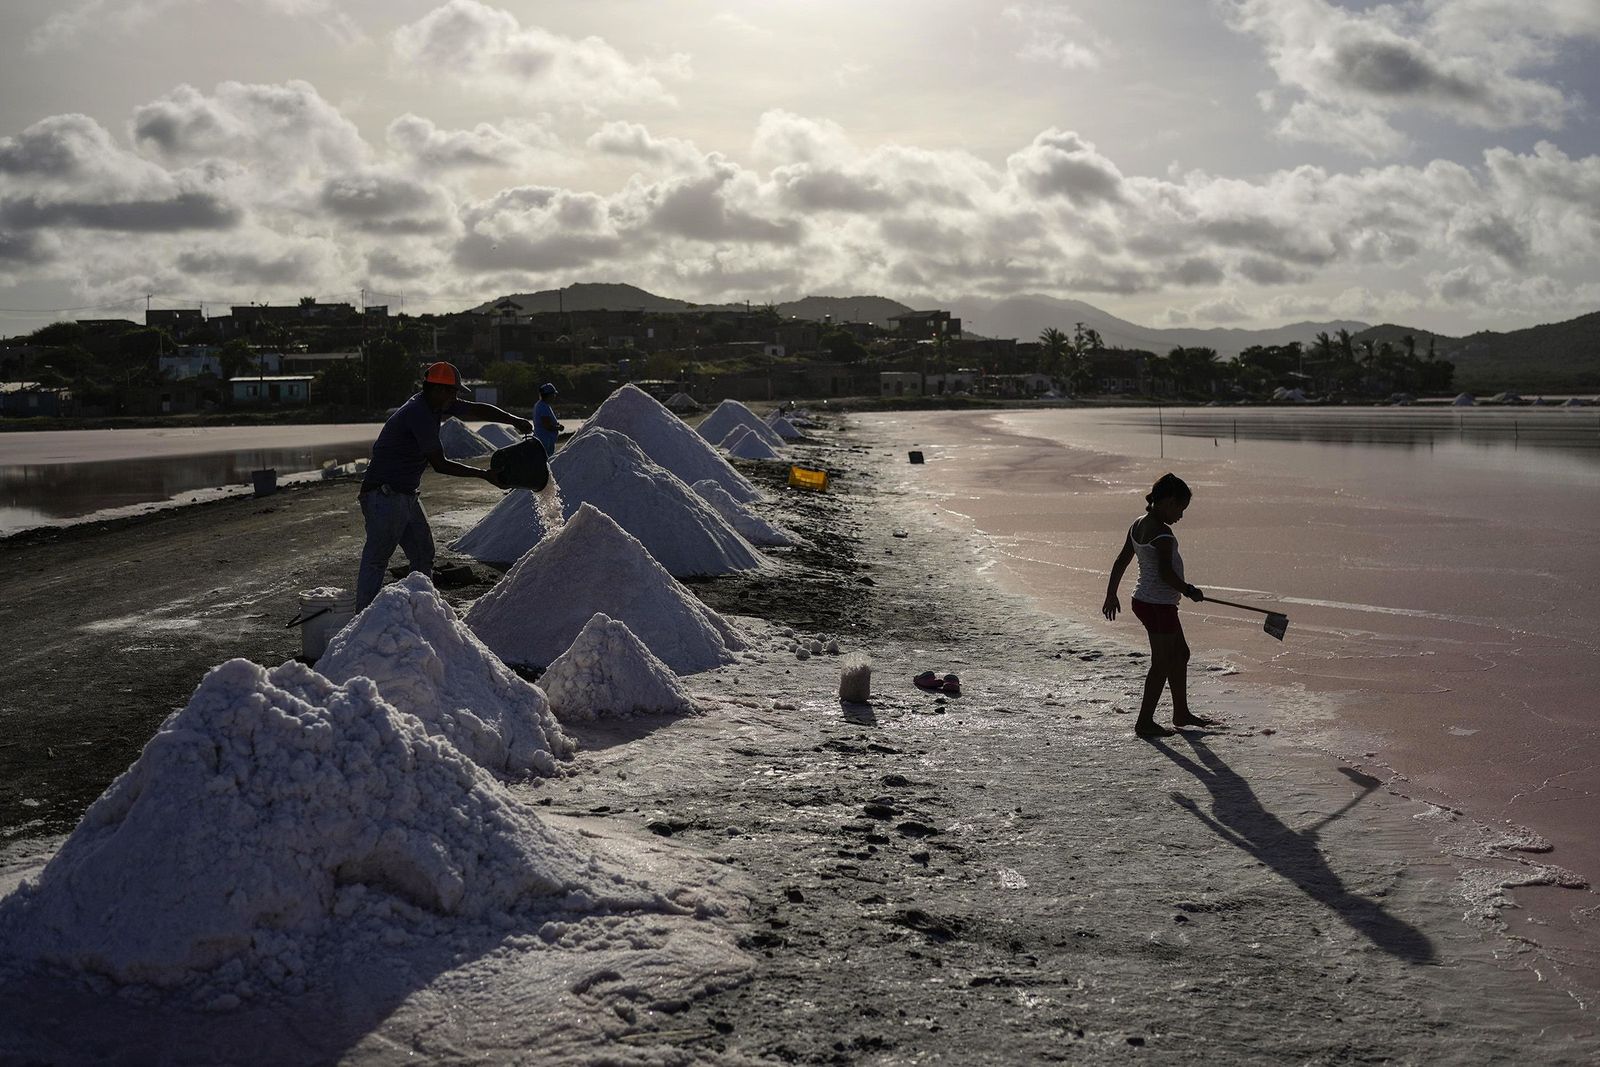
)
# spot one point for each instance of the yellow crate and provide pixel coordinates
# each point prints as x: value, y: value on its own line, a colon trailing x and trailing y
x: 801, y: 478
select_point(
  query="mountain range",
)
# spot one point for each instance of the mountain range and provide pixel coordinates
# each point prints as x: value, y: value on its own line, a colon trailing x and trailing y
x: 1552, y: 357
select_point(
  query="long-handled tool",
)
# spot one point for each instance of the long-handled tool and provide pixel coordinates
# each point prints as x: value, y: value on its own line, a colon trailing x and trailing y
x: 1277, y: 623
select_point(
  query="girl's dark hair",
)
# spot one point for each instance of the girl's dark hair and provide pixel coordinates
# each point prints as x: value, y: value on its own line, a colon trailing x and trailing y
x: 1168, y: 484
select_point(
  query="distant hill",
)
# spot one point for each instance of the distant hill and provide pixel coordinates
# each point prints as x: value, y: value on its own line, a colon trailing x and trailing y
x: 1025, y: 317
x: 1556, y: 357
x: 589, y: 296
x: 1550, y: 358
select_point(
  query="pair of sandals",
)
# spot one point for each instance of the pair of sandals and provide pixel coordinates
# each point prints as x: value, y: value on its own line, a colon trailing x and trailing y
x: 950, y: 685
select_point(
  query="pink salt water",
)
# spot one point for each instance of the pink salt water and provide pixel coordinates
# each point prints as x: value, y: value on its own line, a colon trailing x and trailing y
x: 1439, y: 568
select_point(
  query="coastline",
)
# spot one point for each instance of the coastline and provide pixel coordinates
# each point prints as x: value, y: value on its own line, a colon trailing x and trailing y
x: 1002, y: 876
x: 1532, y: 871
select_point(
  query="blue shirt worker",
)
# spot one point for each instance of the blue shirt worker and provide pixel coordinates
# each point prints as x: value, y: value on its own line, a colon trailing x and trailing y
x: 545, y: 426
x: 391, y: 500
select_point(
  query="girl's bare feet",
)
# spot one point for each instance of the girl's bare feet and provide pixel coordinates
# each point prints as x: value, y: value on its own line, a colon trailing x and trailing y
x: 1150, y: 729
x: 1189, y: 718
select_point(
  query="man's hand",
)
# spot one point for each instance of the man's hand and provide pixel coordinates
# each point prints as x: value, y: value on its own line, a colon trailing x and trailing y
x: 1197, y: 595
x: 523, y: 426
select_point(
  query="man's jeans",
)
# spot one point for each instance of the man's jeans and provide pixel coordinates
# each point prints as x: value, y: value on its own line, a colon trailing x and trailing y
x: 393, y: 520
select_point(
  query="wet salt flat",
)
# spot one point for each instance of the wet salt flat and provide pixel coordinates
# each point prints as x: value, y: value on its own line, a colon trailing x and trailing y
x: 71, y: 475
x: 1437, y: 569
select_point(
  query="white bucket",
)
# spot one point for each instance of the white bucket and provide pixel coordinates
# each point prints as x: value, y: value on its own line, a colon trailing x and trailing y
x: 323, y: 613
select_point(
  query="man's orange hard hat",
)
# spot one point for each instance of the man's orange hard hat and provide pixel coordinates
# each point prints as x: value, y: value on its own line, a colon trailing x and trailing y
x: 442, y: 374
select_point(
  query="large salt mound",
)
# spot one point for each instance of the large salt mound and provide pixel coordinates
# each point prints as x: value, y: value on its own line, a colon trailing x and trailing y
x: 426, y: 662
x: 731, y: 413
x: 609, y: 673
x: 601, y: 467
x: 460, y: 442
x: 750, y: 446
x: 591, y: 564
x: 266, y: 806
x: 783, y: 427
x: 499, y: 436
x: 668, y: 440
x: 752, y: 528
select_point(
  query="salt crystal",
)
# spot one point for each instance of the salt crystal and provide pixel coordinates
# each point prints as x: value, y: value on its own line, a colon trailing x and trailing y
x: 667, y: 440
x: 609, y: 673
x: 593, y: 565
x: 731, y: 413
x: 457, y: 687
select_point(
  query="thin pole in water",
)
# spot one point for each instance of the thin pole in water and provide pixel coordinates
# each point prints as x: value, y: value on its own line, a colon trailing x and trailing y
x: 1161, y: 430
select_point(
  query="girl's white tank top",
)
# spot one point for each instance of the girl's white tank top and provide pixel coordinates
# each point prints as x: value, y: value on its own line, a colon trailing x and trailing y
x: 1151, y: 588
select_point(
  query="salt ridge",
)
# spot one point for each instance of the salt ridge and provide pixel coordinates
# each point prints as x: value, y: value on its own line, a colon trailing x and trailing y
x: 593, y: 565
x: 426, y: 662
x: 731, y: 413
x: 271, y: 803
x: 751, y: 527
x: 609, y: 673
x: 667, y: 440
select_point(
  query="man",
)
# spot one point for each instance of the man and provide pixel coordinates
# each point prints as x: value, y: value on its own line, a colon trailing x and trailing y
x: 545, y: 426
x: 391, y: 491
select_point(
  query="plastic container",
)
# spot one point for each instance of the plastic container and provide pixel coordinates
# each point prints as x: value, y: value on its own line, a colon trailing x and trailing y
x: 916, y: 457
x: 323, y: 613
x: 815, y: 481
x: 265, y: 481
x: 524, y: 465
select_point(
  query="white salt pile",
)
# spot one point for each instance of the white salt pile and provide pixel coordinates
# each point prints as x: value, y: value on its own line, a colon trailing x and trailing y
x: 731, y: 413
x: 733, y: 437
x: 686, y: 535
x: 511, y: 528
x: 783, y: 427
x: 682, y: 403
x: 270, y: 804
x: 751, y: 446
x: 751, y: 527
x: 460, y: 442
x: 609, y: 673
x: 425, y: 662
x: 499, y: 436
x: 667, y: 440
x: 592, y: 564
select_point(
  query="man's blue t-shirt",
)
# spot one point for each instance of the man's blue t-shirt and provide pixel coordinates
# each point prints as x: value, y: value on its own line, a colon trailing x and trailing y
x: 400, y: 454
x: 541, y: 411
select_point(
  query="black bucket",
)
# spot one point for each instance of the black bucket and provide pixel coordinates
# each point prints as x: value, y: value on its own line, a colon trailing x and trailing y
x: 524, y: 465
x: 916, y: 457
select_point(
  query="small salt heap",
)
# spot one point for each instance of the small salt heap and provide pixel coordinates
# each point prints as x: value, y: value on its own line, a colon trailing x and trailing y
x: 592, y: 564
x: 749, y: 445
x: 751, y: 527
x: 460, y: 442
x: 270, y: 804
x: 783, y: 427
x: 686, y: 535
x: 609, y: 673
x: 499, y: 436
x: 668, y: 440
x: 682, y: 403
x: 424, y: 661
x: 731, y: 413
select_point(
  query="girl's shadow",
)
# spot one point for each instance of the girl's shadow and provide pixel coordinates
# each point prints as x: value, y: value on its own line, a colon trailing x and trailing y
x: 1239, y: 818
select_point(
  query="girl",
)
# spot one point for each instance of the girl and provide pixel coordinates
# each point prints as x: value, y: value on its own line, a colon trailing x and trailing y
x: 1155, y: 602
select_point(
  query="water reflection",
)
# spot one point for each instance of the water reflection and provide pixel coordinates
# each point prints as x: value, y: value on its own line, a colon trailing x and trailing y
x: 35, y: 494
x: 1569, y: 430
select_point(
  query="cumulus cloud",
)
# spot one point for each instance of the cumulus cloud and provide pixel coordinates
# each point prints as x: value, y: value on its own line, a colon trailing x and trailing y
x: 484, y: 146
x: 280, y: 128
x: 634, y: 141
x: 74, y: 21
x: 1054, y: 34
x: 382, y: 200
x: 488, y: 49
x: 1351, y: 72
x: 1221, y: 310
x: 1060, y: 163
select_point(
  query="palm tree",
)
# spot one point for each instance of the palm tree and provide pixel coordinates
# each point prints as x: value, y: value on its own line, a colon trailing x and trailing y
x: 1054, y: 344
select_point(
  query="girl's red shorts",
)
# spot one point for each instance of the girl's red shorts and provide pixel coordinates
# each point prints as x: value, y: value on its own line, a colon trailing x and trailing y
x: 1158, y: 618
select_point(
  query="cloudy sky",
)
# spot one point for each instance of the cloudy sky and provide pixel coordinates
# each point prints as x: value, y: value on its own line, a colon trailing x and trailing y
x: 1199, y: 162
